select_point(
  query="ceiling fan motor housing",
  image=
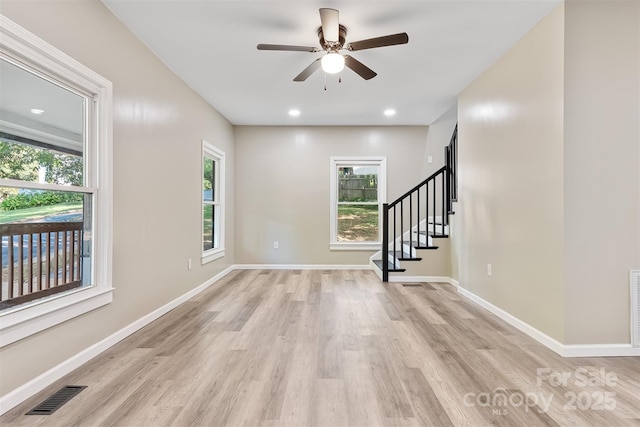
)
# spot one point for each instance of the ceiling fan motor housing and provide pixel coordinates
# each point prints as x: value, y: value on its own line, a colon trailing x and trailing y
x: 333, y: 46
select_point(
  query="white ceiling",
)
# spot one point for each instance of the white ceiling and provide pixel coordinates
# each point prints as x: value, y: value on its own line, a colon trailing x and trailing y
x: 211, y: 45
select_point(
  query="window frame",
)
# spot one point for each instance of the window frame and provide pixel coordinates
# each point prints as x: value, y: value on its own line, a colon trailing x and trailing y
x: 336, y: 163
x: 210, y: 151
x: 35, y: 54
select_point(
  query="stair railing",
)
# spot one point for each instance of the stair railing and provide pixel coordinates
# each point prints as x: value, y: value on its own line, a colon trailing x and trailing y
x: 425, y: 203
x: 451, y: 160
x: 429, y: 203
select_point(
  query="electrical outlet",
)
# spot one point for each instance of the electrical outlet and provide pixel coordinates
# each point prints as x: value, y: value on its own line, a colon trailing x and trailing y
x: 489, y: 272
x: 276, y: 245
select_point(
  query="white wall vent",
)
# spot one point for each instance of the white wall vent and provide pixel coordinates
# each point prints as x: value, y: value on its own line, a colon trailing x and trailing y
x: 635, y: 307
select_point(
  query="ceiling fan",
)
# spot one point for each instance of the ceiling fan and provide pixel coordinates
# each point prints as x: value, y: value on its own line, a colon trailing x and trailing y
x: 332, y: 40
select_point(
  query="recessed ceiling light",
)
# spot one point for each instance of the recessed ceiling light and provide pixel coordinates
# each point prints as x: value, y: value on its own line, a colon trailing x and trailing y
x: 294, y: 113
x: 36, y: 111
x: 389, y: 112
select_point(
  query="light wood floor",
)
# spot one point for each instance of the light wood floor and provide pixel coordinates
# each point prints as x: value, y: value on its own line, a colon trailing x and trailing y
x: 280, y: 348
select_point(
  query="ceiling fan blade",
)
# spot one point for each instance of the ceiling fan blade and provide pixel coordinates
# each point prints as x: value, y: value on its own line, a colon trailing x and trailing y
x: 360, y: 69
x: 329, y: 20
x: 287, y: 48
x: 391, y: 40
x: 308, y: 71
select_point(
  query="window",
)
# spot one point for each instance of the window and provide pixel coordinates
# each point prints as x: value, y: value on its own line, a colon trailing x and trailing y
x: 55, y: 186
x: 358, y: 189
x: 212, y: 203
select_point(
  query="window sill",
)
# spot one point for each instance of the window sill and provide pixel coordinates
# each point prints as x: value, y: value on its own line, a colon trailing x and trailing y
x: 27, y: 319
x: 361, y: 246
x: 212, y: 255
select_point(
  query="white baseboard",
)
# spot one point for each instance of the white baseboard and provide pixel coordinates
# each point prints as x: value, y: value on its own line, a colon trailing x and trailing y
x: 534, y: 333
x: 300, y: 267
x: 600, y: 350
x: 564, y: 350
x: 25, y: 391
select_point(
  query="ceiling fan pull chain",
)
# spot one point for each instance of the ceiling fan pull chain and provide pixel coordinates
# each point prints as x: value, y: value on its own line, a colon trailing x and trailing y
x: 325, y: 81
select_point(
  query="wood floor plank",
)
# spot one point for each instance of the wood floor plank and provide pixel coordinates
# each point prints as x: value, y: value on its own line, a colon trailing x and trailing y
x: 362, y: 404
x: 298, y: 407
x: 321, y: 347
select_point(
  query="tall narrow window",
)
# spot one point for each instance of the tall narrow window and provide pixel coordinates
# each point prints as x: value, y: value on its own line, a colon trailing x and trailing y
x: 358, y: 189
x: 55, y: 186
x: 212, y: 202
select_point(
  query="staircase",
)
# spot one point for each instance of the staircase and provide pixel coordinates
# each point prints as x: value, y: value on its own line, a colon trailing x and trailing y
x: 412, y: 223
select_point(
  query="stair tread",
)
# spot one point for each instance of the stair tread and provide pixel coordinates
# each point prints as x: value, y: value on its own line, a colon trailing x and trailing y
x: 422, y: 233
x: 425, y: 247
x: 404, y: 256
x: 378, y: 262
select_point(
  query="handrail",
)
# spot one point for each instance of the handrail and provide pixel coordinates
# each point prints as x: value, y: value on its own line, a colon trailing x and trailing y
x: 414, y: 189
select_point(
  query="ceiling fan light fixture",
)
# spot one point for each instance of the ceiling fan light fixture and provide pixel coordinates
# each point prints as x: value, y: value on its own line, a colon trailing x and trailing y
x: 332, y: 63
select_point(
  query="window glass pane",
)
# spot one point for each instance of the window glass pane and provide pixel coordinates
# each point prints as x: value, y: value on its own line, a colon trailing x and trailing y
x: 46, y: 245
x: 42, y: 128
x: 358, y: 223
x: 208, y: 228
x: 208, y: 183
x: 358, y: 183
x: 36, y: 164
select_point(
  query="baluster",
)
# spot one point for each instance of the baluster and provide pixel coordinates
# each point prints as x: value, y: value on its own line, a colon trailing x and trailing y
x: 401, y: 229
x: 417, y: 219
x: 385, y: 242
x: 394, y: 237
x: 72, y: 255
x: 10, y: 265
x: 48, y: 267
x: 426, y: 215
x: 39, y: 260
x: 410, y: 224
x: 435, y: 193
x: 443, y: 203
x: 20, y: 264
x: 30, y: 257
x: 64, y: 257
x: 79, y: 264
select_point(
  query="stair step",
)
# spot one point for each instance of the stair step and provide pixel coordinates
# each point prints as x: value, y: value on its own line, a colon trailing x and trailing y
x: 437, y: 236
x: 378, y: 262
x: 425, y: 247
x: 403, y: 256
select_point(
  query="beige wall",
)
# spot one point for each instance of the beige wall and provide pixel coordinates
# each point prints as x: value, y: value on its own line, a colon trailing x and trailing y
x: 439, y: 137
x: 550, y: 175
x: 439, y: 263
x: 509, y: 211
x: 282, y: 183
x: 158, y: 125
x: 601, y: 167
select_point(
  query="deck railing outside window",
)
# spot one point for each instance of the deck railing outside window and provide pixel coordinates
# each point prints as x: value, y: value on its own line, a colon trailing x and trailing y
x: 39, y: 259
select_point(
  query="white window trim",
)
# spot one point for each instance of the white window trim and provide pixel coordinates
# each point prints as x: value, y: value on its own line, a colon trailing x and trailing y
x: 27, y: 319
x: 218, y: 155
x: 381, y: 162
